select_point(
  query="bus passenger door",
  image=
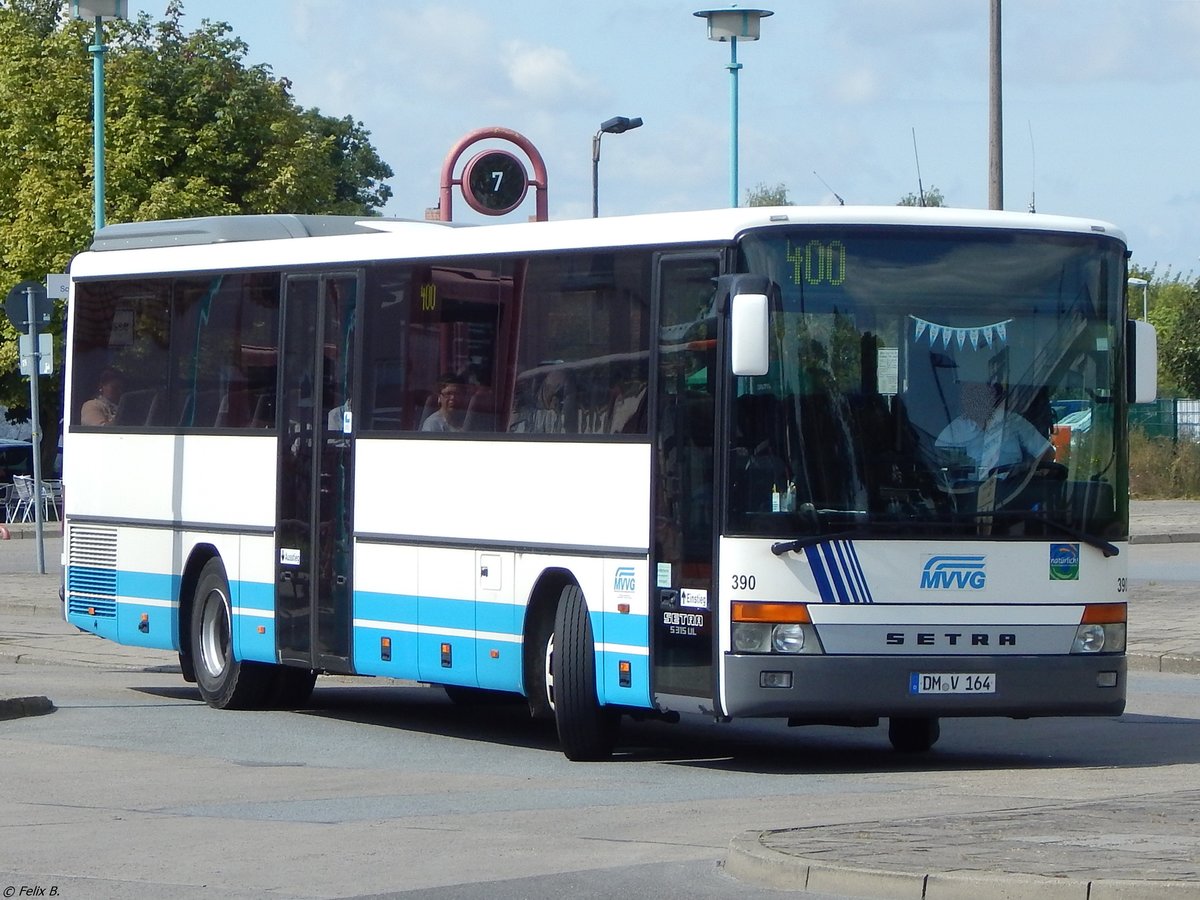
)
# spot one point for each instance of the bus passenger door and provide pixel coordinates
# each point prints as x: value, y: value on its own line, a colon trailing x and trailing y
x: 314, y: 533
x: 684, y: 600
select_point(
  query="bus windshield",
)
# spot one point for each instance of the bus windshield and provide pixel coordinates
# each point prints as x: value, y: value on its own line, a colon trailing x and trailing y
x: 933, y: 382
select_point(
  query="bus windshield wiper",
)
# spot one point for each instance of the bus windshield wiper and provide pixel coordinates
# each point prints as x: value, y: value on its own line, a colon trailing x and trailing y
x: 781, y: 547
x: 1100, y: 544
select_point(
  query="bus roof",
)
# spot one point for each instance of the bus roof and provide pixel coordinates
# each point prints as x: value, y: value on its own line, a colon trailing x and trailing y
x: 265, y: 241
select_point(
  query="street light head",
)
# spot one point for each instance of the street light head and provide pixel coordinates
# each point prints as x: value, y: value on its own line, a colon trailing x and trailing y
x: 620, y: 124
x: 100, y: 9
x: 733, y: 23
x: 1138, y: 282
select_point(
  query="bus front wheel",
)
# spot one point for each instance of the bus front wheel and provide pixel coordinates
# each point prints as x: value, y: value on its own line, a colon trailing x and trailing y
x: 586, y: 730
x: 224, y: 682
x: 913, y: 735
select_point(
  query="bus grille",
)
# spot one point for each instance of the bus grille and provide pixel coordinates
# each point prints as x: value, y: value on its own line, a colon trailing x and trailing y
x: 92, y: 572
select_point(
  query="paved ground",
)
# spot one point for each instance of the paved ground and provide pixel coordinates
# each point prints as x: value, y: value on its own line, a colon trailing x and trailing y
x: 1052, y: 854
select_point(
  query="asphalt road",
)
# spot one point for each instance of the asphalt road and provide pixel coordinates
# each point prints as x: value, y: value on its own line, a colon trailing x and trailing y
x: 134, y: 788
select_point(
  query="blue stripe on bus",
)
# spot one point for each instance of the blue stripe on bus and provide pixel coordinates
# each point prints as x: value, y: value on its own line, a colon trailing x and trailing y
x: 817, y: 567
x: 623, y: 628
x: 151, y: 585
x: 837, y: 572
x: 829, y: 552
x: 475, y: 661
x: 255, y: 595
x: 859, y: 575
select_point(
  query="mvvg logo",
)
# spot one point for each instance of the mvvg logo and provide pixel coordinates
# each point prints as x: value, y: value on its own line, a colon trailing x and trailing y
x: 624, y: 581
x: 964, y: 573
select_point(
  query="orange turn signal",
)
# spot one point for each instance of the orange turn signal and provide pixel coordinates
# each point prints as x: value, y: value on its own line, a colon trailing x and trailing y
x: 1103, y: 614
x: 747, y: 611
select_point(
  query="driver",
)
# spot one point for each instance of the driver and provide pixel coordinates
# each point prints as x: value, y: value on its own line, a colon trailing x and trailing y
x: 991, y: 435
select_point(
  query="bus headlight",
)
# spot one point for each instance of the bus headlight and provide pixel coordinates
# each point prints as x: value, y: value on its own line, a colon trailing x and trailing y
x: 788, y: 638
x: 768, y: 627
x: 1096, y: 638
x: 1101, y: 629
x: 751, y: 637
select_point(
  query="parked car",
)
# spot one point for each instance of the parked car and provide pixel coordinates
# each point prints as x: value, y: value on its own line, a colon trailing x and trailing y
x: 1078, y: 422
x: 16, y: 458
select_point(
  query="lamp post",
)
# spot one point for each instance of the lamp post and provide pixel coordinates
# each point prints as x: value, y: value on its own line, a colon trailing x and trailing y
x: 615, y: 125
x: 1145, y: 286
x: 730, y: 24
x: 97, y: 11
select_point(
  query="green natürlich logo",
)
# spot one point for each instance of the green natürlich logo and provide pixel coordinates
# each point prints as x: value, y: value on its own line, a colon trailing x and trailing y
x: 1064, y: 562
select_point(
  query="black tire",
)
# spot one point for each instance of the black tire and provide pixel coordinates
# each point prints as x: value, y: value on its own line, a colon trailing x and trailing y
x: 586, y: 730
x: 224, y: 683
x: 185, y: 666
x: 913, y: 735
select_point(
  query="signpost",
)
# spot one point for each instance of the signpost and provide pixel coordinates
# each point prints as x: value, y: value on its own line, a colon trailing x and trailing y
x: 29, y: 306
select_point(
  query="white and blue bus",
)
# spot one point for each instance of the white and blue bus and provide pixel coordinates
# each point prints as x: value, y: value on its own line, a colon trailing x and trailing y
x: 718, y: 463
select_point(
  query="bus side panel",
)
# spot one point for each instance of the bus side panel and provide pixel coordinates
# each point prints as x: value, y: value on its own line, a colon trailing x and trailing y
x: 252, y: 591
x: 549, y: 494
x: 498, y: 619
x: 446, y: 644
x: 385, y: 610
x: 118, y: 573
x: 194, y: 478
x: 622, y: 635
x: 437, y: 614
x: 491, y: 495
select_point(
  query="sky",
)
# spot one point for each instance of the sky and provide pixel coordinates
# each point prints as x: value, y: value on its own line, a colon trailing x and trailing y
x: 865, y: 99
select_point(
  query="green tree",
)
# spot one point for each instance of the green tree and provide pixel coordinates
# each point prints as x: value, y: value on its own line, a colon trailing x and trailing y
x: 1174, y: 310
x: 762, y: 195
x: 190, y: 130
x: 932, y: 197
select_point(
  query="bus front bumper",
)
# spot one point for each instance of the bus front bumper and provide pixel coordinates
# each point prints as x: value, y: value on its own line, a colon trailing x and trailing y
x: 826, y: 687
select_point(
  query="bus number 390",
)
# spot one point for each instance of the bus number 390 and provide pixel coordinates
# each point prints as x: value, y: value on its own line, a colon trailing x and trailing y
x: 744, y: 582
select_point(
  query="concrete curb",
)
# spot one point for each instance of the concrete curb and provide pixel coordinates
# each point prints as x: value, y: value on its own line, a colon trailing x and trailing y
x: 19, y: 707
x: 749, y: 860
x: 1183, y: 538
x: 1166, y: 663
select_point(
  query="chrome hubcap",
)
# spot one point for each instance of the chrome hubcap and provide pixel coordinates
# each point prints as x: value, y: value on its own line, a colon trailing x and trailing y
x: 214, y: 634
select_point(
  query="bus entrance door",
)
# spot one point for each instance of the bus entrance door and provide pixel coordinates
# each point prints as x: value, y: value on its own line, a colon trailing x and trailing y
x: 314, y: 537
x: 683, y: 605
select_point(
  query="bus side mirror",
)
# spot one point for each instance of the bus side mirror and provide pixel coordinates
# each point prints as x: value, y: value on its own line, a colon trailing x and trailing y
x: 750, y: 347
x: 1142, y: 346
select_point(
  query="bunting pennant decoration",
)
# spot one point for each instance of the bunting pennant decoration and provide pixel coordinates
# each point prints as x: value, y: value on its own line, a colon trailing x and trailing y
x: 997, y: 331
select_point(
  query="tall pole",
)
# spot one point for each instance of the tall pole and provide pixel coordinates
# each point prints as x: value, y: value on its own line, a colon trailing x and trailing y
x: 733, y: 67
x: 35, y: 437
x: 596, y: 174
x: 995, y: 117
x: 97, y: 51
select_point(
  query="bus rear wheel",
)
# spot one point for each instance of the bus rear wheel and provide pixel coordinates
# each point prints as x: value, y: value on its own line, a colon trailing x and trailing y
x: 913, y: 735
x: 224, y: 682
x: 586, y: 730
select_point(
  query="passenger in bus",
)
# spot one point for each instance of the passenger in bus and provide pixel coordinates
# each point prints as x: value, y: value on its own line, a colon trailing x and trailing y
x: 452, y: 405
x: 990, y: 434
x: 102, y: 409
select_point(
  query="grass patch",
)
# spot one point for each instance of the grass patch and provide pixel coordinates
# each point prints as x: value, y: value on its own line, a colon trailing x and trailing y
x: 1160, y: 469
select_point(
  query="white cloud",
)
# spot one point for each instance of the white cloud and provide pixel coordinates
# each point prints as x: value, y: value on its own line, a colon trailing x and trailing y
x: 857, y: 86
x: 544, y: 74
